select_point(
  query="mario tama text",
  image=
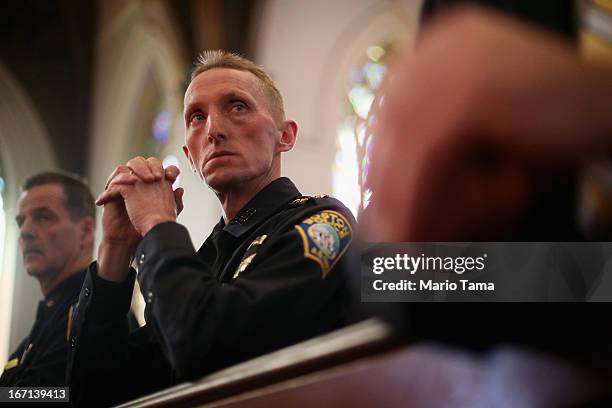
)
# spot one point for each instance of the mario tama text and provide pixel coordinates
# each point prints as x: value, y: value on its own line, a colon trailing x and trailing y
x: 430, y: 270
x: 486, y: 271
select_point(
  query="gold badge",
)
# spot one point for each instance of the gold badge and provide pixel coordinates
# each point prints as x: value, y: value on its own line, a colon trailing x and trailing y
x: 243, y: 265
x: 11, y: 364
x: 257, y: 241
x: 300, y: 200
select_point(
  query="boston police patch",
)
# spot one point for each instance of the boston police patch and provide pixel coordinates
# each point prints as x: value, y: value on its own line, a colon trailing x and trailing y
x: 326, y: 236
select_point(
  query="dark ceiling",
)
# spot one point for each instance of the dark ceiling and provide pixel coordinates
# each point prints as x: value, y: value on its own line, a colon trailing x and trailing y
x: 48, y: 46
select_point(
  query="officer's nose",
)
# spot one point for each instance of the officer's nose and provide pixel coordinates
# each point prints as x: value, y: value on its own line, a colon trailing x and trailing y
x: 215, y: 128
x: 27, y: 231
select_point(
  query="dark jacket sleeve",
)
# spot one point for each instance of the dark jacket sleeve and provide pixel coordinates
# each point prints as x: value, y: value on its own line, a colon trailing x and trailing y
x: 9, y: 376
x: 107, y: 364
x: 203, y: 324
x: 48, y: 369
x: 46, y: 364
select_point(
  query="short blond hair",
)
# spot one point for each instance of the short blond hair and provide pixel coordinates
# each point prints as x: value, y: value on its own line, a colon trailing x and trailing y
x: 210, y: 59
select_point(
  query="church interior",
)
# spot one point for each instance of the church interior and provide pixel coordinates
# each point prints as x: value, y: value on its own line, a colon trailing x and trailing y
x: 87, y: 85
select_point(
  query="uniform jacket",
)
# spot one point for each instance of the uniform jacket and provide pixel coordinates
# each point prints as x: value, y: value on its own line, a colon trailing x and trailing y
x: 40, y: 359
x: 273, y: 276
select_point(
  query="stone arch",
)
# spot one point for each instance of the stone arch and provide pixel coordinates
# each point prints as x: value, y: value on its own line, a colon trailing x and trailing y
x: 24, y: 149
x: 139, y: 48
x: 136, y: 49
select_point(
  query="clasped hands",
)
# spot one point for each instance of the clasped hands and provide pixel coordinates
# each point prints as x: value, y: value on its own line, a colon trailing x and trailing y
x: 138, y: 196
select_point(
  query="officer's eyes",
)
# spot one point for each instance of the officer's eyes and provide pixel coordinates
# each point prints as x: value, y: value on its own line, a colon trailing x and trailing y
x: 37, y: 218
x: 238, y: 107
x: 197, y: 117
x: 40, y: 218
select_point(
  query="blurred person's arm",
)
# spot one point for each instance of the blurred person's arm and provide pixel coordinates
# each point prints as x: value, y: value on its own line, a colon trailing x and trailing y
x: 476, y: 122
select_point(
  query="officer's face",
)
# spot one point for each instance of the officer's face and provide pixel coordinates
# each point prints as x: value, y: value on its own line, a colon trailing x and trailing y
x: 232, y: 138
x: 49, y: 240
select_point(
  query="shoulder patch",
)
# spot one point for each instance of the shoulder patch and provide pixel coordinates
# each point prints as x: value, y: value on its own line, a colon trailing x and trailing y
x: 326, y: 235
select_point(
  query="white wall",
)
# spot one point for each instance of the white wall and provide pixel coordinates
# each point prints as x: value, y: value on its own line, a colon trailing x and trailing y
x: 309, y: 47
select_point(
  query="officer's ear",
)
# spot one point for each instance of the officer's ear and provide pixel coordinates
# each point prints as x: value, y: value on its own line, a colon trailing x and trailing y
x: 87, y: 227
x: 288, y: 136
x: 188, y: 156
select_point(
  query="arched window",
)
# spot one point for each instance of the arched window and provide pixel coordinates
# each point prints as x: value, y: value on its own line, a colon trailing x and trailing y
x: 153, y: 129
x: 152, y: 124
x: 157, y: 142
x: 354, y: 139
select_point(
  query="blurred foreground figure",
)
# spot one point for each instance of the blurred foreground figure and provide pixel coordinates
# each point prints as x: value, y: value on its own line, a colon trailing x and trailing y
x: 477, y: 125
x: 56, y: 227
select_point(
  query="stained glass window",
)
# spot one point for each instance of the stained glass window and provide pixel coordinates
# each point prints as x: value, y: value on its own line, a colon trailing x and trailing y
x: 160, y: 132
x: 354, y: 139
x: 161, y: 125
x: 155, y: 130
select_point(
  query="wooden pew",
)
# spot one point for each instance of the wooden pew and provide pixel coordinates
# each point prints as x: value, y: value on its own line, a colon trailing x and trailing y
x: 365, y: 365
x: 348, y: 344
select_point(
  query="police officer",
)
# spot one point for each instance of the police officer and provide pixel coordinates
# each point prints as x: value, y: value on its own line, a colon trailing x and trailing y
x: 270, y: 274
x: 56, y: 223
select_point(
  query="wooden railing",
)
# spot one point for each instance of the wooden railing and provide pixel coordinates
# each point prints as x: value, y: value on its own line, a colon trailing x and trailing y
x: 347, y: 345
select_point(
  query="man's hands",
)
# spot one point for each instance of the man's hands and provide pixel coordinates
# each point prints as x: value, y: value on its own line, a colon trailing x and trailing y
x: 137, y: 197
x: 475, y: 122
x: 146, y: 189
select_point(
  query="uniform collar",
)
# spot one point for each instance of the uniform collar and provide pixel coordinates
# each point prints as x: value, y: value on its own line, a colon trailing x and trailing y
x: 65, y: 289
x: 265, y: 203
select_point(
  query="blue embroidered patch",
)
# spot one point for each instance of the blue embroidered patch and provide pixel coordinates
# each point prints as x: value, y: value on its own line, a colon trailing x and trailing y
x: 326, y: 236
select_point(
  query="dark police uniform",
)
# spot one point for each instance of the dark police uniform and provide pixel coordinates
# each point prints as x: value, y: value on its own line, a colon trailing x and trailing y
x: 40, y: 359
x: 273, y: 276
